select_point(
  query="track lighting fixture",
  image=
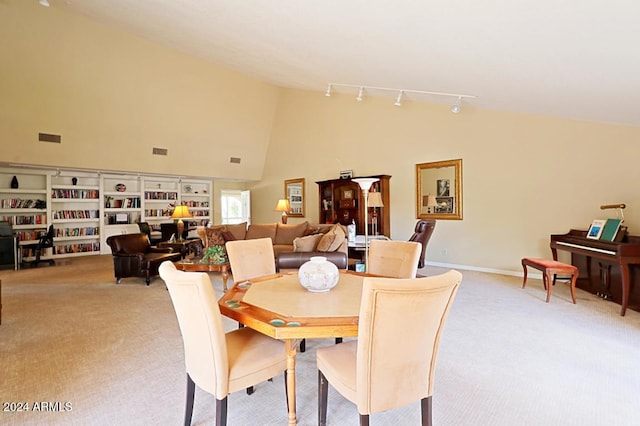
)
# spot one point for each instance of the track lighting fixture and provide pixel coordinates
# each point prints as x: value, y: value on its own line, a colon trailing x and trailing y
x: 455, y: 108
x: 399, y: 99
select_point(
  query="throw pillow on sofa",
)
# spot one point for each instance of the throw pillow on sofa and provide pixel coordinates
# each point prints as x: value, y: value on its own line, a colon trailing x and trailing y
x: 239, y: 231
x: 261, y: 230
x: 285, y: 234
x: 213, y: 236
x: 332, y: 240
x: 306, y: 244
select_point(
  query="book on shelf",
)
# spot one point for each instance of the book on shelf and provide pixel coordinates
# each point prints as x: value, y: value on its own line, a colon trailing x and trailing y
x: 610, y: 229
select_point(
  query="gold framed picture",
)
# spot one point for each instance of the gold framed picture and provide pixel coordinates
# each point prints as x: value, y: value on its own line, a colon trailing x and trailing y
x: 347, y: 194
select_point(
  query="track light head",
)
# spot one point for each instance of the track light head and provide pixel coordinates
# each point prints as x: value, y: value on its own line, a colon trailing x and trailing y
x: 360, y: 93
x: 455, y: 108
x: 399, y: 99
x: 328, y: 92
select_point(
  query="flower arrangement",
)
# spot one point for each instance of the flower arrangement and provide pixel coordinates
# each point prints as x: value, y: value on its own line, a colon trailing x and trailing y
x: 214, y: 254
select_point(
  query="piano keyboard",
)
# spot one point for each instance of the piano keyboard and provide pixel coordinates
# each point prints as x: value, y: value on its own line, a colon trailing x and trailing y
x: 586, y: 248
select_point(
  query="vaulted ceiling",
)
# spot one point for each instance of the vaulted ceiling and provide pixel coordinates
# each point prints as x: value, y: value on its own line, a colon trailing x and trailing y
x: 562, y: 58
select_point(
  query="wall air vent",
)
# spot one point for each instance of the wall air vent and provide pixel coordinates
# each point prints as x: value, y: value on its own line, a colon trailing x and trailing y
x: 160, y: 151
x: 47, y: 137
x: 235, y: 160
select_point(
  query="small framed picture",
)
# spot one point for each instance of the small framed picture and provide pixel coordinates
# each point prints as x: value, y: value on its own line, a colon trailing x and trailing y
x: 595, y: 230
x: 445, y: 205
x: 347, y: 194
x: 346, y: 174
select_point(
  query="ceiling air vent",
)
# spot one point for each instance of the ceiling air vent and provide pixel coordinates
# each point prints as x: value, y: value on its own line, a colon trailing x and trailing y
x: 46, y: 137
x: 160, y: 151
x: 235, y: 160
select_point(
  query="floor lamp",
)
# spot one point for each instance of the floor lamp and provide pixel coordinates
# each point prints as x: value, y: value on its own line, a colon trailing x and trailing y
x: 365, y: 184
x: 180, y: 212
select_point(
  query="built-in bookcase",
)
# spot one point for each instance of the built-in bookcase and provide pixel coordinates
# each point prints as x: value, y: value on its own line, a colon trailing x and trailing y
x: 85, y: 208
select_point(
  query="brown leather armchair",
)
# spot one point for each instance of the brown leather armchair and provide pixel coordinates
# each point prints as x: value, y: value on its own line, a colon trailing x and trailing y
x: 134, y: 256
x: 421, y: 234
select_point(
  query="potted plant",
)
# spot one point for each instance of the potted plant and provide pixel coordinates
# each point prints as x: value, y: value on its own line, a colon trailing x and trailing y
x: 214, y: 254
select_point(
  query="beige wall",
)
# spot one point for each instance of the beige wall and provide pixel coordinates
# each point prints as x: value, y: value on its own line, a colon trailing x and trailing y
x: 524, y: 177
x: 113, y: 97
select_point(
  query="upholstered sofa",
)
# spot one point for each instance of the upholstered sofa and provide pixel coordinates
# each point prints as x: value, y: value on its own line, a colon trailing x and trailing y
x: 293, y: 244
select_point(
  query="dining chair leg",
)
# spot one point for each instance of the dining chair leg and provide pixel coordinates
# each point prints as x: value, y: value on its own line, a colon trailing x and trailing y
x: 221, y: 412
x: 250, y: 390
x: 427, y: 415
x: 323, y: 390
x: 188, y: 411
x: 364, y: 420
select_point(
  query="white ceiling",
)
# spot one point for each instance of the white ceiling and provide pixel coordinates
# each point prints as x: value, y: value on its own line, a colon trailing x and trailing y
x: 565, y: 58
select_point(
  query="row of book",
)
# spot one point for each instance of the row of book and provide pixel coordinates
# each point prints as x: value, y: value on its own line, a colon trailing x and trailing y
x: 122, y: 203
x: 36, y: 219
x: 30, y: 235
x: 76, y: 232
x: 75, y: 193
x: 156, y: 195
x: 76, y: 248
x: 196, y: 203
x: 63, y: 249
x: 158, y: 212
x: 19, y: 203
x: 76, y: 214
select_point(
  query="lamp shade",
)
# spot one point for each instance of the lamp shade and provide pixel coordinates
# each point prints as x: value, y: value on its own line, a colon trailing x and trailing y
x: 180, y: 212
x: 429, y: 201
x: 283, y: 205
x: 375, y: 199
x: 365, y: 183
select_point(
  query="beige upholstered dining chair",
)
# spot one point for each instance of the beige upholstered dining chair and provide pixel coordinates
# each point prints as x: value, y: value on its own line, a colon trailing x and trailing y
x: 392, y: 362
x: 218, y: 362
x: 250, y: 259
x: 394, y: 259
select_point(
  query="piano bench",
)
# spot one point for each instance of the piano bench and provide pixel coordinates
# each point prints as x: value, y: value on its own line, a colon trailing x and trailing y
x: 551, y: 268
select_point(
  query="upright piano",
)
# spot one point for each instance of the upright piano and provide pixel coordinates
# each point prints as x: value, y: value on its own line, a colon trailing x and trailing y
x: 623, y: 253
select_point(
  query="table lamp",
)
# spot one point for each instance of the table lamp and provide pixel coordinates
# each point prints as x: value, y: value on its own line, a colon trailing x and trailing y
x: 375, y: 201
x: 429, y: 201
x: 365, y: 184
x: 283, y: 206
x: 179, y: 212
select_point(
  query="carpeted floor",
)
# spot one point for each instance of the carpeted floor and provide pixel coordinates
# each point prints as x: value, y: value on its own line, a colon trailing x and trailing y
x: 101, y: 354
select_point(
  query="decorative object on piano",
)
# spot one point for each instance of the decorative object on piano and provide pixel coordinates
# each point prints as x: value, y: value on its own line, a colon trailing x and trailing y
x: 318, y: 274
x: 14, y: 183
x: 618, y: 208
x: 610, y: 230
x: 595, y: 230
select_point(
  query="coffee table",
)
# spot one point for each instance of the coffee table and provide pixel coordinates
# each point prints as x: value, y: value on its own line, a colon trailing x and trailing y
x: 194, y: 265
